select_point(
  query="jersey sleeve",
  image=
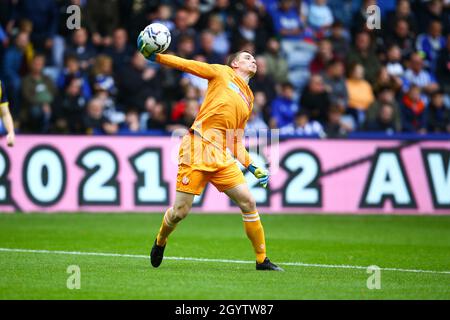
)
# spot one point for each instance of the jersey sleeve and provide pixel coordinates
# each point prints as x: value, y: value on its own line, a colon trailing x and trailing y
x: 3, y: 97
x: 200, y: 69
x: 237, y: 148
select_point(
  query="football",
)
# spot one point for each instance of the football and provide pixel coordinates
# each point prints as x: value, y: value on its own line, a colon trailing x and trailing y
x: 157, y: 37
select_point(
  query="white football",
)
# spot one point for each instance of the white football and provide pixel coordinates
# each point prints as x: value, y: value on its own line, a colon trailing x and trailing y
x: 157, y: 37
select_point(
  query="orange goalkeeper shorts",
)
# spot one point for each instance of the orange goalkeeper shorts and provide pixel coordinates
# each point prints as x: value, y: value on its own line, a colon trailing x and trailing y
x: 200, y: 162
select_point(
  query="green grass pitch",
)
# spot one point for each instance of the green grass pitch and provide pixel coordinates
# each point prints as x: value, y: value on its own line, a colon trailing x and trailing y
x: 323, y: 243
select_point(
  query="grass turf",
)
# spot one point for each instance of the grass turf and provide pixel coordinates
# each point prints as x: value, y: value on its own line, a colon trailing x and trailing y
x: 407, y: 242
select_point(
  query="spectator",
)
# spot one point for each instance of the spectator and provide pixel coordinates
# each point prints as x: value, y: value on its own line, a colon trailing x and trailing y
x: 80, y: 48
x: 102, y: 74
x: 144, y: 116
x: 384, y: 122
x: 186, y: 47
x: 413, y: 111
x: 249, y: 30
x: 193, y: 13
x: 6, y: 11
x: 320, y: 17
x: 283, y: 107
x: 64, y: 32
x: 339, y: 40
x: 157, y: 117
x: 136, y: 82
x: 264, y: 18
x: 102, y: 21
x: 120, y: 51
x: 302, y: 126
x: 221, y: 43
x: 360, y: 94
x: 276, y: 64
x: 323, y: 56
x: 131, y: 124
x: 190, y: 112
x: 393, y: 63
x: 443, y: 68
x: 182, y: 28
x: 315, y: 99
x: 361, y: 16
x: 385, y: 95
x: 44, y: 18
x: 4, y: 41
x: 26, y: 26
x: 263, y: 81
x: 287, y: 23
x: 342, y: 11
x: 105, y: 89
x: 429, y: 44
x: 207, y: 48
x: 428, y: 11
x: 69, y: 108
x: 402, y: 37
x: 164, y: 15
x: 256, y: 120
x: 191, y: 93
x: 112, y: 110
x: 168, y: 85
x: 38, y: 93
x: 134, y: 15
x: 227, y: 14
x: 94, y: 121
x: 438, y: 115
x: 72, y: 71
x: 364, y: 54
x: 402, y: 11
x: 385, y: 79
x: 334, y: 126
x: 335, y: 83
x: 15, y: 66
x: 417, y: 75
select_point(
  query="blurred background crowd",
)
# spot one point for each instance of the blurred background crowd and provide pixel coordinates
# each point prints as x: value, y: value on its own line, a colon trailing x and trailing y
x: 322, y: 69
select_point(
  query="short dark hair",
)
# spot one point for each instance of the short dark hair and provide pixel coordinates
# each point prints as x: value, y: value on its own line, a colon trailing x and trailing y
x: 233, y: 57
x: 302, y: 113
x: 334, y: 61
x: 287, y: 84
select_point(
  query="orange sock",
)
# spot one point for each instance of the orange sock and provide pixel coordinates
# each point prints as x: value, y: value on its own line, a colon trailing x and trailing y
x: 255, y: 232
x: 167, y: 226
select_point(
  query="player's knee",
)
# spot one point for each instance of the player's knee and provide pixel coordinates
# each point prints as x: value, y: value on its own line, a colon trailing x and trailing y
x: 180, y: 211
x: 248, y: 204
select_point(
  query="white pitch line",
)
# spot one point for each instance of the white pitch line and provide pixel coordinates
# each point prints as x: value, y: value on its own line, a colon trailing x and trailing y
x: 139, y: 256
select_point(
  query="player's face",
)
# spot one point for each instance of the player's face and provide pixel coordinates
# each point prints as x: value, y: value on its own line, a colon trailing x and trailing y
x: 247, y: 63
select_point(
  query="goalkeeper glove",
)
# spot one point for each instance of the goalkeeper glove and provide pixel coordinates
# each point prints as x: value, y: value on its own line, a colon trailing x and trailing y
x: 144, y: 49
x: 261, y: 174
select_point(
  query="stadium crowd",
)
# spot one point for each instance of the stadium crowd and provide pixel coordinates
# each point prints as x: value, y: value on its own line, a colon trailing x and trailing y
x: 322, y: 69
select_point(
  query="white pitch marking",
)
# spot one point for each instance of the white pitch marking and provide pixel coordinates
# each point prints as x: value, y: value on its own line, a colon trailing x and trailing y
x: 139, y: 256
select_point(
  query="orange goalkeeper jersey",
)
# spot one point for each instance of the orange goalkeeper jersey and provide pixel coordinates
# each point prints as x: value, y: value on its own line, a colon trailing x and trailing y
x: 226, y: 107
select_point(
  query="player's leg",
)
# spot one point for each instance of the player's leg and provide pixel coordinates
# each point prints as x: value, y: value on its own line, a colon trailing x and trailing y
x: 190, y: 182
x: 252, y: 223
x: 242, y: 196
x: 173, y: 215
x: 231, y: 181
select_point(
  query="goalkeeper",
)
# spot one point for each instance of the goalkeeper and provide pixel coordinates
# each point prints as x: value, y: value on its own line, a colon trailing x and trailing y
x: 203, y: 155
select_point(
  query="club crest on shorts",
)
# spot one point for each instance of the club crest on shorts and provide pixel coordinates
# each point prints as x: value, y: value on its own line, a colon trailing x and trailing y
x: 185, y: 180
